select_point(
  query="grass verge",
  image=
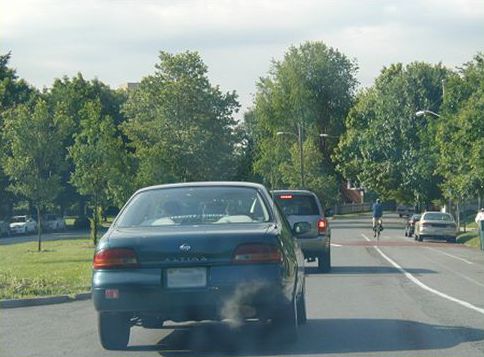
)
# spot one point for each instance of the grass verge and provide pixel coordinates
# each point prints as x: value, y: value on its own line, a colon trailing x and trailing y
x: 470, y: 239
x: 63, y: 267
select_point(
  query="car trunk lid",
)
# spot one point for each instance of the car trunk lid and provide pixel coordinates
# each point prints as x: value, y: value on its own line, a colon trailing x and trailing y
x: 189, y: 245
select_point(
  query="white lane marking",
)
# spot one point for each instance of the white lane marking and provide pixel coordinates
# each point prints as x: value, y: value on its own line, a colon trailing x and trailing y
x: 451, y: 255
x: 425, y: 287
x: 336, y: 245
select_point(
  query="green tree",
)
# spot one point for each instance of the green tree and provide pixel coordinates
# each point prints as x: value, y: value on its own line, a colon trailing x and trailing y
x: 247, y: 150
x: 33, y: 159
x: 100, y: 162
x: 13, y: 92
x: 313, y: 86
x: 180, y: 126
x: 70, y: 95
x: 461, y: 133
x: 386, y: 147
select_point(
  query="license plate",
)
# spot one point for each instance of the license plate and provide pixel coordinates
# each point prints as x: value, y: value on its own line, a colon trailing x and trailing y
x: 186, y: 277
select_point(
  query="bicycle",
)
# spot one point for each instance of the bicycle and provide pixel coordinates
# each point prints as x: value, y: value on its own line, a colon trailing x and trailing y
x: 377, y: 229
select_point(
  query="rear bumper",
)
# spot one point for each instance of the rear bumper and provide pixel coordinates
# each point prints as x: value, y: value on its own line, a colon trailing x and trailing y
x: 314, y: 247
x: 143, y: 292
x: 437, y: 233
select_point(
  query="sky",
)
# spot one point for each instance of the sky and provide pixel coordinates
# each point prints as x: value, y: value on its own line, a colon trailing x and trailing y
x: 118, y: 41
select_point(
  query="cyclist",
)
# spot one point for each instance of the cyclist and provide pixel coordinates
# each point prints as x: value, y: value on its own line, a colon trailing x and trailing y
x: 377, y: 214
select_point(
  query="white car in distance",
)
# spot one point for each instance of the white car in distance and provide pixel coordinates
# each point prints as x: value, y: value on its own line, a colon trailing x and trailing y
x: 22, y: 225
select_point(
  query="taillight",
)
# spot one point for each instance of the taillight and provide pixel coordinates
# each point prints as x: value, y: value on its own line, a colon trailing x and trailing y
x: 114, y: 258
x: 257, y: 253
x: 322, y: 225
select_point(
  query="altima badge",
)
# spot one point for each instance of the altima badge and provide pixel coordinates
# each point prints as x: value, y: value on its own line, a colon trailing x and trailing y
x: 185, y: 247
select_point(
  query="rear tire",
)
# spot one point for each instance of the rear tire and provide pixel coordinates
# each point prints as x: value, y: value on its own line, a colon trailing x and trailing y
x: 301, y: 309
x: 324, y: 262
x: 113, y: 331
x: 285, y: 323
x: 452, y: 240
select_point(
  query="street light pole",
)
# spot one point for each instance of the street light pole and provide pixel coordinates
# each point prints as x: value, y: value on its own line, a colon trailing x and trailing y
x: 300, y: 138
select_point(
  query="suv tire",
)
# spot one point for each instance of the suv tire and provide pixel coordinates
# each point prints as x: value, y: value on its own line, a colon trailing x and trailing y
x: 324, y: 262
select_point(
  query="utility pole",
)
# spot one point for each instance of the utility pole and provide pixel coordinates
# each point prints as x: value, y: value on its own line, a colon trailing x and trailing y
x: 300, y: 139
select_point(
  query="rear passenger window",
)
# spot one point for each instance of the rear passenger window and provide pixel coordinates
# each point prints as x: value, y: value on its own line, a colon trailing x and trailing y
x: 297, y: 205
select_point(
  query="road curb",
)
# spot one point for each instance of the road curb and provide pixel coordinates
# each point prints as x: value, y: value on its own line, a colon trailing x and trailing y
x: 49, y: 300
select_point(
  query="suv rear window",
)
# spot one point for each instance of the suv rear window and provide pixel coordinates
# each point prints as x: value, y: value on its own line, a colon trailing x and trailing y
x: 297, y: 205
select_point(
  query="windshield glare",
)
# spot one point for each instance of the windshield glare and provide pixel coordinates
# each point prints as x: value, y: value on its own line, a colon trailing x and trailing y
x: 193, y: 206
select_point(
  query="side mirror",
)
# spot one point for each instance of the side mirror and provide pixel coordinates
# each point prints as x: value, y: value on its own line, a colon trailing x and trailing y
x: 328, y: 212
x: 300, y: 228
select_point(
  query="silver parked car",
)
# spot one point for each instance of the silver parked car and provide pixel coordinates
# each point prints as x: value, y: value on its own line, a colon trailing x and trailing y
x: 304, y: 206
x: 437, y: 225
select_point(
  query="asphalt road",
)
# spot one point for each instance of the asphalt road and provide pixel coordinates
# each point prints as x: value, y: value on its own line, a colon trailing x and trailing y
x: 397, y: 298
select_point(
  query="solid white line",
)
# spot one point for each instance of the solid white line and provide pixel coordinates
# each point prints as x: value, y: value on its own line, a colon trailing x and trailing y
x: 425, y: 287
x: 451, y: 255
x: 336, y: 245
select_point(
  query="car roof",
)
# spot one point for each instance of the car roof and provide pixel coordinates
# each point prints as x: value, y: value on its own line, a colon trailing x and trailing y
x: 205, y: 184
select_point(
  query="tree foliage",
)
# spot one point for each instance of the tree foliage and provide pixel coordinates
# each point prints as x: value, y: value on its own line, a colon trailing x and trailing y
x: 386, y: 147
x: 461, y: 133
x: 180, y: 126
x: 13, y: 92
x: 70, y: 96
x: 313, y: 86
x: 33, y: 159
x: 101, y: 163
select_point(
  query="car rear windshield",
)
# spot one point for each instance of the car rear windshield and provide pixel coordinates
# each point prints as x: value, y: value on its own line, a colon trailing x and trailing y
x: 437, y: 217
x: 297, y: 205
x: 18, y: 219
x: 194, y: 205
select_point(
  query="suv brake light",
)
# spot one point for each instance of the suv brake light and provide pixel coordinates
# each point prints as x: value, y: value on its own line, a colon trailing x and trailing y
x: 115, y: 258
x: 257, y: 253
x: 322, y: 225
x: 285, y: 197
